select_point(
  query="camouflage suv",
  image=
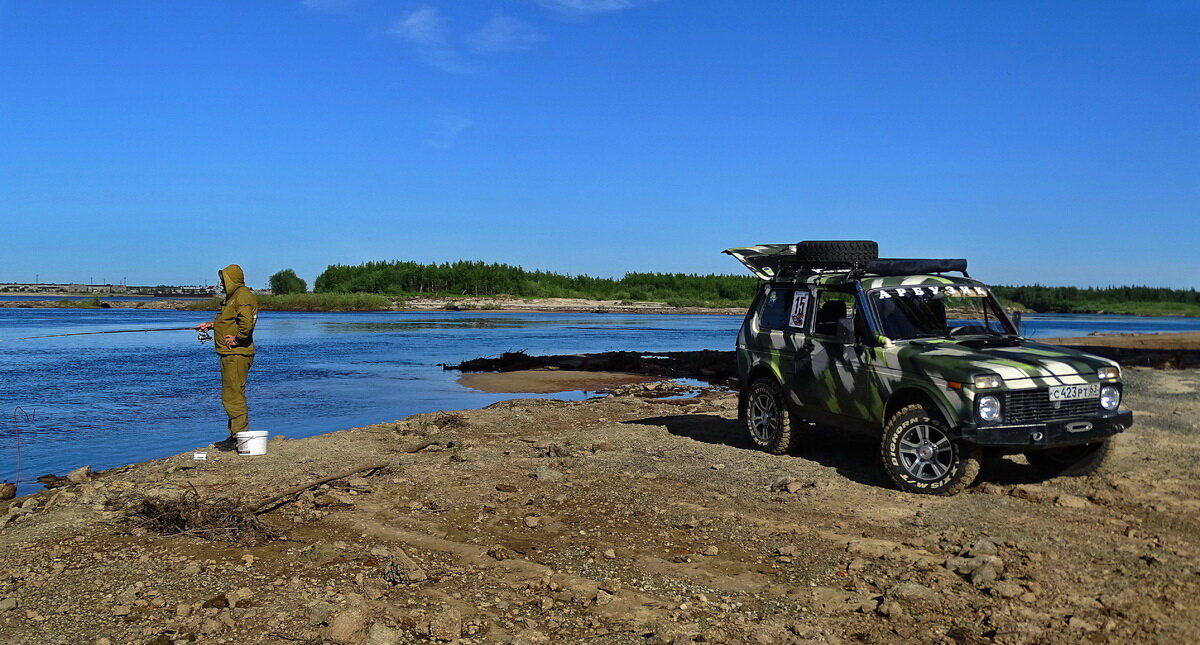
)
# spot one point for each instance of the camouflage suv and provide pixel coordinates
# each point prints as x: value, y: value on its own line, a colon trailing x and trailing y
x: 928, y: 361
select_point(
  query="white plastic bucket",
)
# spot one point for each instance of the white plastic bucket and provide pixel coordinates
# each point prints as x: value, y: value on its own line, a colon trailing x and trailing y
x: 251, y: 442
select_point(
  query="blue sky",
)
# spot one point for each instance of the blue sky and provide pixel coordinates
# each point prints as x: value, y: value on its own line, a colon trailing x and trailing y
x: 158, y: 141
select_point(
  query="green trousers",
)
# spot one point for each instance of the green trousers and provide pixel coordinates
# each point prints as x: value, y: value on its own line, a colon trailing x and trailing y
x: 234, y: 368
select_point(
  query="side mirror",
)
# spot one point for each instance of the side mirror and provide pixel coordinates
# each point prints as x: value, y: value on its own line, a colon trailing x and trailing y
x: 845, y: 330
x: 1016, y: 321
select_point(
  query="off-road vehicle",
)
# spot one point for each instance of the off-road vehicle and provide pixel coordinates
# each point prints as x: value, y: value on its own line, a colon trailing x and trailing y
x: 929, y: 362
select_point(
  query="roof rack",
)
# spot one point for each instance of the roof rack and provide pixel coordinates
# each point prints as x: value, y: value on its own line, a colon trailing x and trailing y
x: 855, y: 257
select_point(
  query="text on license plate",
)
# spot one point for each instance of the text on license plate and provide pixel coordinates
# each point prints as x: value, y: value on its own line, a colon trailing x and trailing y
x: 1074, y: 392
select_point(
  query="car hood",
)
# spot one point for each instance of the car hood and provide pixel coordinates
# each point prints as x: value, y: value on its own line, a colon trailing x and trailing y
x: 1021, y: 363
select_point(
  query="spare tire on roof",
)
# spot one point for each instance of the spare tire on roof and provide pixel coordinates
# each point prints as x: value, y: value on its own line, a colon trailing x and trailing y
x: 836, y: 253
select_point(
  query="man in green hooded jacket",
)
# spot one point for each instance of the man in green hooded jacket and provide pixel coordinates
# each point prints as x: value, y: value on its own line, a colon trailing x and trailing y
x: 233, y: 331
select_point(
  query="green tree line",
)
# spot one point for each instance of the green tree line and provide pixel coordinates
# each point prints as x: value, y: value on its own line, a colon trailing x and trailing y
x: 465, y: 278
x: 1126, y: 299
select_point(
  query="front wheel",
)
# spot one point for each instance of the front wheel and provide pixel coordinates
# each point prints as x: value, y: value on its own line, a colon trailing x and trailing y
x: 1070, y: 461
x: 768, y: 419
x: 921, y: 456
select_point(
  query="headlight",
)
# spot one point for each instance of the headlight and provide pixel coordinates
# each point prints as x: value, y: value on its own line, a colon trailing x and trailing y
x: 989, y: 408
x: 1109, y: 373
x: 988, y: 382
x: 1110, y: 397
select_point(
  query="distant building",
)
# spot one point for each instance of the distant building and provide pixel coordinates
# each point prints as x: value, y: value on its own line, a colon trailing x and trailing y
x: 161, y: 291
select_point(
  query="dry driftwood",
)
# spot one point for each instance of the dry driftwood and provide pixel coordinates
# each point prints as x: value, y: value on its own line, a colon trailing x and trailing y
x: 267, y: 503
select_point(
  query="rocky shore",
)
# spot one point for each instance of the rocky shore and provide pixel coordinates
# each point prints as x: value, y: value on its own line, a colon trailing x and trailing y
x: 626, y: 519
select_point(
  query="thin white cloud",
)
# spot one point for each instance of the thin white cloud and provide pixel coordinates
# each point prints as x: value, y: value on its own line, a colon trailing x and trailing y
x: 425, y: 29
x: 503, y: 34
x: 446, y: 130
x: 588, y: 6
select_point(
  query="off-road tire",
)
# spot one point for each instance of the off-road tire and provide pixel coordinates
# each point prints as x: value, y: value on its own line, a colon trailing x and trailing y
x: 1070, y: 461
x: 778, y: 439
x: 952, y: 467
x: 836, y: 252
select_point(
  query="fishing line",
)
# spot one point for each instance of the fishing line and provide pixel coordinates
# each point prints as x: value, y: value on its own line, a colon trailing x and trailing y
x: 201, y: 335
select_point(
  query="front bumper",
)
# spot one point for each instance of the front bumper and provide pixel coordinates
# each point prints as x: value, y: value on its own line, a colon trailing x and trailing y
x: 1067, y: 432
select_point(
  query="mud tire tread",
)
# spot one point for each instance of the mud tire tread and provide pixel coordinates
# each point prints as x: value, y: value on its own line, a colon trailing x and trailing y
x: 1086, y: 465
x: 786, y: 439
x: 970, y: 458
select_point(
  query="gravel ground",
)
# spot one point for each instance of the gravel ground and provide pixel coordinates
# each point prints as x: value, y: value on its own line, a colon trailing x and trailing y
x: 627, y: 519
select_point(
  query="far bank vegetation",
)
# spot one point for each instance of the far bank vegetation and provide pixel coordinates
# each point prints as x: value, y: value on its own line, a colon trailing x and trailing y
x: 377, y: 286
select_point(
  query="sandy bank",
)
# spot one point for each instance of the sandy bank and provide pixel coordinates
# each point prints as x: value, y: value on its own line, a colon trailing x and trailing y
x: 547, y: 381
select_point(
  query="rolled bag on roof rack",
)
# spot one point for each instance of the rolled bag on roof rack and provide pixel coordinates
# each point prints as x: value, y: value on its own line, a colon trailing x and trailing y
x: 915, y: 266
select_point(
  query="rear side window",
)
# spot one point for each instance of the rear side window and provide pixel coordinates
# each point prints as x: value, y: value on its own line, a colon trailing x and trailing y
x: 785, y: 309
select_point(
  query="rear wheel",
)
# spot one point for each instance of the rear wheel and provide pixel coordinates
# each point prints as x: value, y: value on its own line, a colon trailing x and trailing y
x: 1070, y: 461
x: 768, y: 418
x: 921, y: 456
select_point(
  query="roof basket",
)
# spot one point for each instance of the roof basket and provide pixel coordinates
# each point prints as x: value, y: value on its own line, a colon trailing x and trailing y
x: 769, y: 261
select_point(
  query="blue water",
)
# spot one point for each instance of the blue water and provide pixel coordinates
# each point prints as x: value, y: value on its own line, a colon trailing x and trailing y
x: 108, y: 400
x: 9, y: 297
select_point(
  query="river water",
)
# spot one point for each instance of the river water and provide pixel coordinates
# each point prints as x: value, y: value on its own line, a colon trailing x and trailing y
x: 109, y: 400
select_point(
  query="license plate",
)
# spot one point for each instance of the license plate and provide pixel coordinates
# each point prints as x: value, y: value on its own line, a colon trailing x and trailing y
x: 1075, y: 392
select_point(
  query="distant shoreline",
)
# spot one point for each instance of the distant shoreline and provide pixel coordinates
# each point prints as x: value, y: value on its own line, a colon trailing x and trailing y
x: 538, y: 305
x: 375, y: 302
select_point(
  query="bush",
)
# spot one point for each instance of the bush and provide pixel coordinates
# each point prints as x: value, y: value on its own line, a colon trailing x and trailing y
x: 287, y: 282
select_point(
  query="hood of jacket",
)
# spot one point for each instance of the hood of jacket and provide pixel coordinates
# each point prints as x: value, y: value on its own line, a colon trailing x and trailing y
x: 232, y: 277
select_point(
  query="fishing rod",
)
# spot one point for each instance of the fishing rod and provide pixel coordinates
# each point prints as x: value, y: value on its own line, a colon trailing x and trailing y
x: 202, y: 335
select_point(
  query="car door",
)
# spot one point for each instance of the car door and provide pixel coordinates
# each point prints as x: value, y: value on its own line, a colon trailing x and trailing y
x: 780, y: 329
x: 839, y: 383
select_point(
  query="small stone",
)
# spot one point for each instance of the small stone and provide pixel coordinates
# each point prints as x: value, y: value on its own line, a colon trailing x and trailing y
x: 122, y: 610
x: 80, y: 475
x: 548, y: 475
x: 984, y: 575
x: 347, y: 627
x: 318, y: 614
x: 1071, y: 501
x: 9, y: 604
x: 891, y: 609
x: 1006, y: 589
x: 710, y: 550
x: 380, y: 634
x: 532, y: 521
x: 1075, y: 622
x: 983, y: 547
x: 210, y: 626
x: 610, y: 553
x: 446, y: 625
x: 911, y: 593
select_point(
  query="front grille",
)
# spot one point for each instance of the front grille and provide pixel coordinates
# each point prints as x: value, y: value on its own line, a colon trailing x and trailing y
x: 1035, y: 405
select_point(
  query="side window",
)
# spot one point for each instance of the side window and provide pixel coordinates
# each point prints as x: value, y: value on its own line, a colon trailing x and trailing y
x: 785, y: 310
x: 775, y: 309
x: 832, y: 306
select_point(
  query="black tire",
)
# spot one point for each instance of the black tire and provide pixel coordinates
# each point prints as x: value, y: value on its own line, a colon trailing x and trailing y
x: 1070, y: 461
x: 921, y: 455
x: 769, y: 419
x: 836, y: 252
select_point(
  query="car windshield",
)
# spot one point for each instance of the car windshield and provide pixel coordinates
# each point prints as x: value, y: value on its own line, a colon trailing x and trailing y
x: 938, y: 311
